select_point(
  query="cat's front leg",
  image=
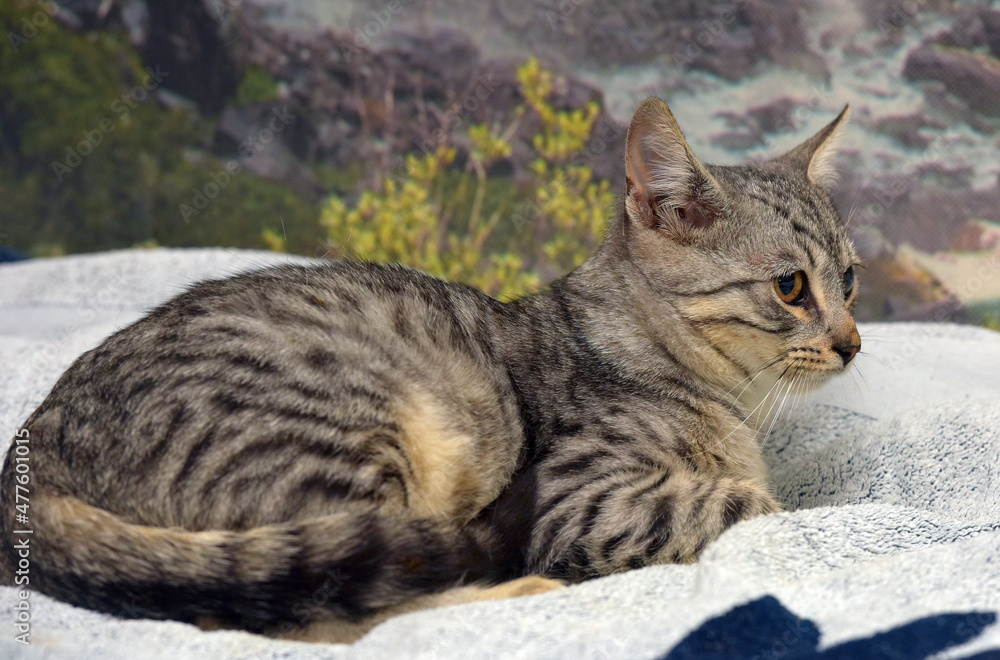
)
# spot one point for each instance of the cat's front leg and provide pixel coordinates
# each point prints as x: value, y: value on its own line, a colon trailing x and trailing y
x: 612, y: 518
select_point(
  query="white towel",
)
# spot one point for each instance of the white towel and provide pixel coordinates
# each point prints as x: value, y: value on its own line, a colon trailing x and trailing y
x: 890, y: 546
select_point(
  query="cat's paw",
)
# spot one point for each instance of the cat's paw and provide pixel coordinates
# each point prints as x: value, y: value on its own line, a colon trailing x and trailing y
x: 745, y: 499
x: 734, y: 501
x: 770, y: 505
x: 526, y: 586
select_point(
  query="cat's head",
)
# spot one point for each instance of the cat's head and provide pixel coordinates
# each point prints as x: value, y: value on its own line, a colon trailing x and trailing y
x: 755, y: 256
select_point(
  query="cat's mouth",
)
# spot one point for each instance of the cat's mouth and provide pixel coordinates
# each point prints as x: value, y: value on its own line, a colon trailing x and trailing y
x: 812, y: 366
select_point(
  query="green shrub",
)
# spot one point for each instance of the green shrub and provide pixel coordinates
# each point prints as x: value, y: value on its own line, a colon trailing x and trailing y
x: 257, y: 85
x: 88, y: 162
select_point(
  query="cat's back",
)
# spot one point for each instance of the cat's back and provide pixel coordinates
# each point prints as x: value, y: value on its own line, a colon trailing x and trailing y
x: 332, y: 295
x: 282, y: 390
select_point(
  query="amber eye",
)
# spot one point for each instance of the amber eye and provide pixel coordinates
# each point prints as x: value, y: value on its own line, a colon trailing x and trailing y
x: 790, y: 287
x: 848, y: 282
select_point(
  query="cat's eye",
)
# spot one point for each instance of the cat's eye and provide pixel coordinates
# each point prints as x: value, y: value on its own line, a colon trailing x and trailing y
x: 791, y: 287
x: 848, y: 282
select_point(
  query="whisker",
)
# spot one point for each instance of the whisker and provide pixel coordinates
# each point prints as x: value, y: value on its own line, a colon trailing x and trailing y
x: 885, y: 339
x: 760, y: 445
x: 801, y: 394
x: 797, y: 395
x: 850, y: 214
x: 744, y: 420
x: 777, y: 414
x: 771, y: 412
x: 752, y: 378
x: 864, y: 399
x: 872, y: 355
x: 857, y: 388
x: 862, y: 376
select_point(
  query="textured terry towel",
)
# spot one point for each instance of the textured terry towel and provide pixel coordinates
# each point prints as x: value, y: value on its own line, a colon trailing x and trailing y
x: 890, y: 546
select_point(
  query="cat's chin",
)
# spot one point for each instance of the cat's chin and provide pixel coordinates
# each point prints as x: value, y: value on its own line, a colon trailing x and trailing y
x: 812, y: 379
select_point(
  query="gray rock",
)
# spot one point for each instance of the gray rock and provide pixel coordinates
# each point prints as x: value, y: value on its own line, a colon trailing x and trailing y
x: 418, y: 87
x: 750, y: 127
x: 738, y: 140
x: 951, y: 310
x: 905, y: 129
x: 975, y: 28
x: 931, y: 217
x: 776, y: 116
x: 972, y: 77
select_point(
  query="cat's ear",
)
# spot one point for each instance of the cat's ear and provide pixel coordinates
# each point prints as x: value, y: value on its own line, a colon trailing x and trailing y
x: 816, y: 155
x: 665, y: 185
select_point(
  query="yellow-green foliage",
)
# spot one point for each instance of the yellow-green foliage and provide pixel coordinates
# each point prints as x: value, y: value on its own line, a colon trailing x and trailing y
x: 487, y: 145
x: 565, y: 133
x: 273, y: 240
x: 576, y: 209
x: 403, y: 224
x: 991, y: 320
x: 425, y: 219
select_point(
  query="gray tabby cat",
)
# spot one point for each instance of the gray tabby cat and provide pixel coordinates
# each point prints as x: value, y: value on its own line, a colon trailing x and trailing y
x: 391, y: 441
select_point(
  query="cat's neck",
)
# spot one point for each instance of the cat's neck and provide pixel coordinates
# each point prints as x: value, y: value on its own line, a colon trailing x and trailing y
x: 645, y: 336
x: 592, y: 330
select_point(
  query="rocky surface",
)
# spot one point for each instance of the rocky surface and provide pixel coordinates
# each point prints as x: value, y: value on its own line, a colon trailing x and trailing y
x: 350, y: 100
x: 367, y: 81
x: 976, y: 236
x: 972, y: 77
x: 908, y: 129
x: 727, y: 38
x: 183, y: 37
x: 354, y: 103
x: 906, y: 210
x: 963, y: 58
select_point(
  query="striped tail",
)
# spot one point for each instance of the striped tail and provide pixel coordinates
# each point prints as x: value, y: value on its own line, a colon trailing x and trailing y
x: 349, y: 564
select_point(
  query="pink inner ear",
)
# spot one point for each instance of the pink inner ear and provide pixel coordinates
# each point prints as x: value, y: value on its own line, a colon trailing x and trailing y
x: 645, y: 206
x: 691, y: 214
x: 637, y: 171
x: 695, y: 215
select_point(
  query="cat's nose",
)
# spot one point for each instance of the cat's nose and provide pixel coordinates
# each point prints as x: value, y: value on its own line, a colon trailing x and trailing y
x: 847, y: 344
x: 847, y: 353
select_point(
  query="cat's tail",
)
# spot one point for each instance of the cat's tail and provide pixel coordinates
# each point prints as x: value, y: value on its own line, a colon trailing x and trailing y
x: 347, y: 564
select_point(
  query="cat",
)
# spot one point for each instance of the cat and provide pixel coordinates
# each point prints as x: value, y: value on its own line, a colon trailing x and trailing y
x: 304, y: 451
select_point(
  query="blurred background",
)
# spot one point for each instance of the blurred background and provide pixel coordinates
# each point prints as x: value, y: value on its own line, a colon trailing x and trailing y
x: 483, y: 141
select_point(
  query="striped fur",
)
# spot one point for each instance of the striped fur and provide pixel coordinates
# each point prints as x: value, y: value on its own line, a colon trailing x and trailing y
x: 378, y: 436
